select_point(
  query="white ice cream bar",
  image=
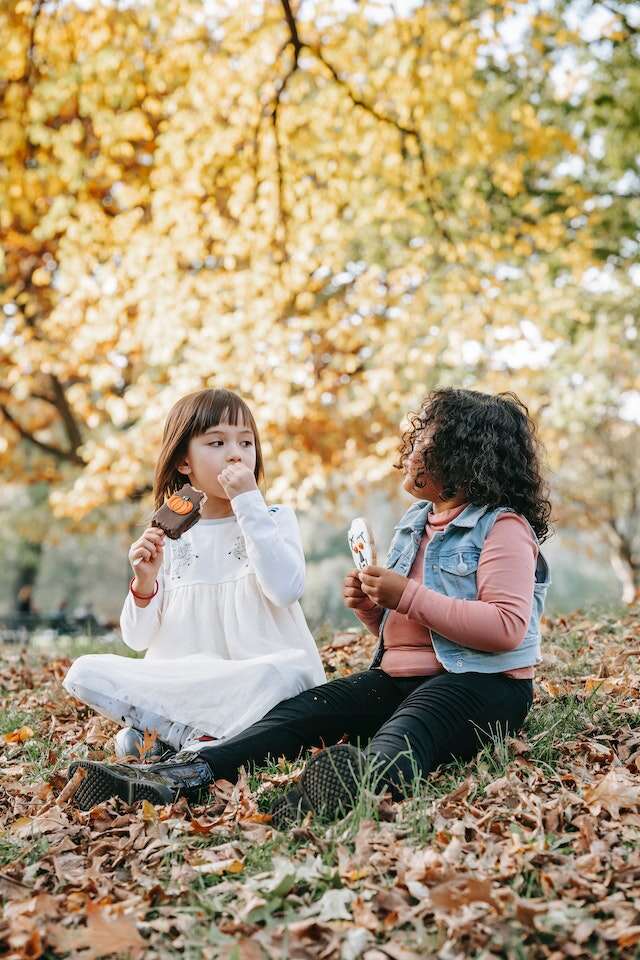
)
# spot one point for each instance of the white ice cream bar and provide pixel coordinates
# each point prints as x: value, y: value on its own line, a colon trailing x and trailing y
x: 362, y: 543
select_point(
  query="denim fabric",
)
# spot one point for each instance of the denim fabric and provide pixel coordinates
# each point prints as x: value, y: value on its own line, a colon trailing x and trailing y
x: 450, y: 567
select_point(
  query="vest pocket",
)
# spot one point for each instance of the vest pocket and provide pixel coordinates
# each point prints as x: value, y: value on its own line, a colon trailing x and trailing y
x: 458, y: 572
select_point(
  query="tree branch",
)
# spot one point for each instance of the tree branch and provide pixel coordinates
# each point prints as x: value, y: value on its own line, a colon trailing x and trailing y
x: 409, y: 132
x: 619, y: 13
x: 280, y: 176
x: 61, y: 404
x: 293, y: 31
x: 70, y: 456
x: 298, y: 45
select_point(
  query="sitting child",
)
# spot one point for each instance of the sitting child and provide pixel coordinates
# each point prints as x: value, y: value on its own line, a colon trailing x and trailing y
x: 217, y: 609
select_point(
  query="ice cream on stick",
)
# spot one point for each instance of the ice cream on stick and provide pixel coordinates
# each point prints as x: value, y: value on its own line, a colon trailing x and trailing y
x: 362, y: 543
x: 181, y: 511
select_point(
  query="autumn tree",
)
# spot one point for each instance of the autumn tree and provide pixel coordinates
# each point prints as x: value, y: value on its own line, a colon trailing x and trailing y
x: 330, y: 211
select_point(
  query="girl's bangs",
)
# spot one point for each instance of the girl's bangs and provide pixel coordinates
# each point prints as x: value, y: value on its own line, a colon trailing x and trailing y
x: 216, y: 408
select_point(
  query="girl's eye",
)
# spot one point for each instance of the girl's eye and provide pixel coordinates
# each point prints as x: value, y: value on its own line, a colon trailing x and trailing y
x: 214, y: 443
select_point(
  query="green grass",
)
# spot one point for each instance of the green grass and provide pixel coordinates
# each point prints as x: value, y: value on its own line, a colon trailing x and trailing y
x: 74, y: 647
x: 28, y: 851
x: 11, y: 720
x: 43, y: 754
x: 548, y: 727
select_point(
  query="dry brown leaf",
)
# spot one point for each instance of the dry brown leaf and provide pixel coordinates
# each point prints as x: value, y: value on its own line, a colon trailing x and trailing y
x: 455, y: 893
x: 528, y: 910
x: 148, y: 743
x: 72, y: 786
x: 102, y: 936
x: 629, y: 937
x: 618, y: 789
x: 243, y: 949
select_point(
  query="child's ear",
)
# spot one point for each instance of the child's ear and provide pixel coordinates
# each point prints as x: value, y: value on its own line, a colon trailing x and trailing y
x: 184, y: 468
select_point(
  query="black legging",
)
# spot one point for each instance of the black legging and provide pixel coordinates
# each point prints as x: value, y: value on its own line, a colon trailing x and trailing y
x: 439, y: 718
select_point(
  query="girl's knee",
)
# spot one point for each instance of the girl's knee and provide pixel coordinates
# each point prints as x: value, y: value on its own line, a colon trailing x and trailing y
x: 78, y: 676
x: 82, y: 683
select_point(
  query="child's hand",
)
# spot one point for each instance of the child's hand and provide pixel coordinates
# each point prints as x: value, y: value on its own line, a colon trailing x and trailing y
x: 237, y: 478
x: 383, y: 586
x: 353, y: 595
x: 148, y: 550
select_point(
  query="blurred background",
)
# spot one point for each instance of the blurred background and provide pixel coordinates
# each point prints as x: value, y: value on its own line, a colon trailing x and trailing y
x: 331, y: 208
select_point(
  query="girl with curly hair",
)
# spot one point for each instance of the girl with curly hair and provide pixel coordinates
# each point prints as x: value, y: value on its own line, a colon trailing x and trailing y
x: 456, y: 607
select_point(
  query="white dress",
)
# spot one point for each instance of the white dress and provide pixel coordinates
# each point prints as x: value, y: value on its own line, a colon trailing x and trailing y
x: 225, y: 635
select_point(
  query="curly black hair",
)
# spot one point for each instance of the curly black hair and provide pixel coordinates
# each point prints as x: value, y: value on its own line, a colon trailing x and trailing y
x: 484, y: 446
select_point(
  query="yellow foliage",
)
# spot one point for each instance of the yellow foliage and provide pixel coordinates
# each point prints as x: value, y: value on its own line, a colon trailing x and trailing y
x: 318, y: 220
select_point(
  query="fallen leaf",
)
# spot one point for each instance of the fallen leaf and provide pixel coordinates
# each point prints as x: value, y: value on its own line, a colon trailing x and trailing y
x: 72, y: 786
x: 149, y: 812
x: 218, y: 867
x: 617, y: 789
x: 20, y: 735
x: 332, y: 905
x: 148, y: 743
x: 103, y: 935
x: 452, y: 894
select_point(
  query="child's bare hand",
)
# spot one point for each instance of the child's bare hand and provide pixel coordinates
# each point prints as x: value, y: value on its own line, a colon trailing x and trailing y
x: 384, y: 587
x: 148, y: 551
x: 237, y: 478
x: 352, y: 592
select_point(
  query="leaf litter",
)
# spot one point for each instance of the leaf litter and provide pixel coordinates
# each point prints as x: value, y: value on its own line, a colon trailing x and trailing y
x: 531, y: 849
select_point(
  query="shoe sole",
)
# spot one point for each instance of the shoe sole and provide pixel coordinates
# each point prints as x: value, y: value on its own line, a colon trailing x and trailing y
x: 289, y: 809
x: 101, y: 783
x: 332, y: 778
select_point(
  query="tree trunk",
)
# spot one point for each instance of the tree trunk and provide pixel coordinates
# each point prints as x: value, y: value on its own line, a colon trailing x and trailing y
x: 26, y: 576
x: 628, y: 573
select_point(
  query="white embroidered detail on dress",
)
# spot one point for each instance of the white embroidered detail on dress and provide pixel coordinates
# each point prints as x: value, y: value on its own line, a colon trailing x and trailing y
x: 239, y: 549
x: 183, y: 556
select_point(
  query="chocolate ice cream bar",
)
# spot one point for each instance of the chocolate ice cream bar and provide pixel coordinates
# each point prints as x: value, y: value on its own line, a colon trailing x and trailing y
x: 180, y: 512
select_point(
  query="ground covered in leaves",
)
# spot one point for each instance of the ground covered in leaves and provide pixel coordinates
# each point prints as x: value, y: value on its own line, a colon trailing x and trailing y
x: 531, y: 850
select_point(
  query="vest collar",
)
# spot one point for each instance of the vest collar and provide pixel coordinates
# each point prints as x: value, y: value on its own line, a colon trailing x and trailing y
x: 468, y: 518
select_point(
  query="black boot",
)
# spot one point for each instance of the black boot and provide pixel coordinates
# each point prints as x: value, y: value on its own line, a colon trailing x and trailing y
x: 157, y: 782
x: 329, y: 786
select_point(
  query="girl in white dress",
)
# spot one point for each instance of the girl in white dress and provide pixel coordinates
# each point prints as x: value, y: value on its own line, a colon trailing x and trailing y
x: 218, y: 610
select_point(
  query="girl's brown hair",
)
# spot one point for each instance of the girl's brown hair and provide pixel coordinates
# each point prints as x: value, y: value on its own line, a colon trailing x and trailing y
x: 190, y: 417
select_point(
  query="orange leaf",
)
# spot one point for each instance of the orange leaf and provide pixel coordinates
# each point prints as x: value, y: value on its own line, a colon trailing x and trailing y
x: 19, y: 735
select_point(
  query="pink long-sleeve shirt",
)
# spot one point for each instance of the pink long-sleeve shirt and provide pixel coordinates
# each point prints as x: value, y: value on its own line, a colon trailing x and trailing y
x: 495, y: 622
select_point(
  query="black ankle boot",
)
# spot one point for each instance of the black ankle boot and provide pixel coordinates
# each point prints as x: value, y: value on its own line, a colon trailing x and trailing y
x: 157, y: 782
x: 329, y: 786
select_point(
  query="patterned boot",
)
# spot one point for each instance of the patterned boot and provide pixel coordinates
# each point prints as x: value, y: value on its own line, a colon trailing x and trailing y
x: 132, y: 782
x: 329, y: 786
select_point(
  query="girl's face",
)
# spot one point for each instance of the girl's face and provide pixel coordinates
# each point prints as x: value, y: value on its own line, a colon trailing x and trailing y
x: 211, y: 452
x: 414, y: 472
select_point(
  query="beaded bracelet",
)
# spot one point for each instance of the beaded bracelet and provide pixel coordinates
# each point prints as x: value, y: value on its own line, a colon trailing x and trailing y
x: 141, y: 596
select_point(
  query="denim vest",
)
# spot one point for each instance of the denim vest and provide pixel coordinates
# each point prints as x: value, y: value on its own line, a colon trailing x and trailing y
x: 450, y: 567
